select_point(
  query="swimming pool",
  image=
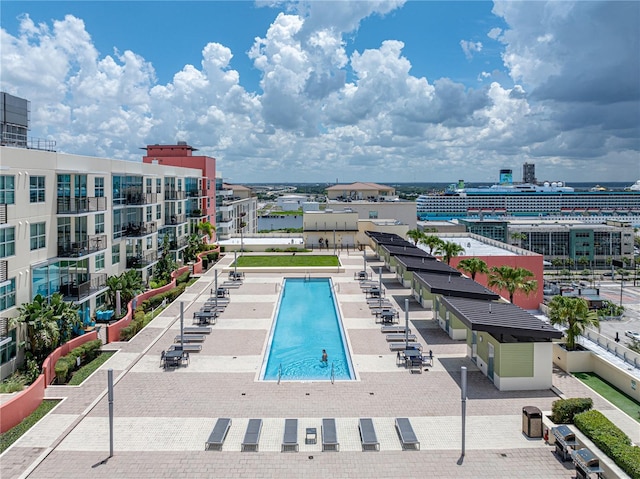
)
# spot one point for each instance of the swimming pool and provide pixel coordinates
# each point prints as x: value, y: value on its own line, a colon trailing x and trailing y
x: 307, y: 321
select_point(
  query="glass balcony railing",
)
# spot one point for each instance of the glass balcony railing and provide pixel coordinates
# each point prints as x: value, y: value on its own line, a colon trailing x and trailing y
x: 142, y: 260
x: 81, y: 286
x: 70, y: 206
x: 176, y: 244
x: 141, y: 198
x: 75, y: 249
x: 174, y: 195
x: 140, y: 229
x: 175, y: 219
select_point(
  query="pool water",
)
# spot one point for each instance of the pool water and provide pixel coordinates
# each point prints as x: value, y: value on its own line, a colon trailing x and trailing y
x: 307, y: 321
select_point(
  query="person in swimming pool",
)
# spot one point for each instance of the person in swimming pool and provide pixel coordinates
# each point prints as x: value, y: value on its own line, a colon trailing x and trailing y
x: 325, y: 358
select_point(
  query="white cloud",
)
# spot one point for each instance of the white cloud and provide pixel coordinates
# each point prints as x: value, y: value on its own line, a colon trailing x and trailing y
x: 323, y: 112
x: 469, y: 48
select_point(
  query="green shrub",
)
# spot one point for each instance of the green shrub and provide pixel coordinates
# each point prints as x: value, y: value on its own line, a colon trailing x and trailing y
x: 610, y: 440
x: 212, y: 257
x: 183, y: 278
x: 563, y: 410
x: 65, y: 365
x: 13, y: 434
x: 14, y: 383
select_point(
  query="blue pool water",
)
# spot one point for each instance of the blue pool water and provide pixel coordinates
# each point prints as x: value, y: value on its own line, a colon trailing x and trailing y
x: 307, y: 321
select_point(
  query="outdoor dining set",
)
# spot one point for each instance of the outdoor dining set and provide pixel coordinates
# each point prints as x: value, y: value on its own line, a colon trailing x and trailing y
x: 190, y: 338
x: 399, y: 338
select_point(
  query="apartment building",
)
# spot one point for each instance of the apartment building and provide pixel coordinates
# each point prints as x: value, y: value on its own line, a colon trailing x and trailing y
x: 237, y: 210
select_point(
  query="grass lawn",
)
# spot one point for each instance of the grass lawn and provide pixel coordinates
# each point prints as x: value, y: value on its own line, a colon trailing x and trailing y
x: 611, y: 393
x: 13, y: 434
x: 286, y: 261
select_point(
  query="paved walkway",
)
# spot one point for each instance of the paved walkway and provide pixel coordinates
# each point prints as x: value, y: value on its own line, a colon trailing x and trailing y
x: 162, y: 418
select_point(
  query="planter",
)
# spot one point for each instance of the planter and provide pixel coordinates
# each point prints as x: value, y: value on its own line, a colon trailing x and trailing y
x: 577, y: 361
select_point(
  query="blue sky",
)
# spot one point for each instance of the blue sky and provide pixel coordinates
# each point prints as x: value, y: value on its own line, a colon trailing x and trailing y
x: 362, y: 91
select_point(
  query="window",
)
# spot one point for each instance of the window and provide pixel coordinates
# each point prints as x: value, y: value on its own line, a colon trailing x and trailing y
x: 7, y: 242
x: 158, y: 185
x: 115, y: 254
x: 373, y: 215
x: 148, y: 182
x: 158, y: 212
x: 8, y: 294
x: 99, y: 223
x: 99, y: 261
x: 38, y: 236
x: 149, y: 214
x: 7, y: 189
x: 99, y: 186
x: 36, y: 189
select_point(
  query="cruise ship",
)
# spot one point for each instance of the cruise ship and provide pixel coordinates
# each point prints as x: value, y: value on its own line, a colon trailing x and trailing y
x: 549, y: 199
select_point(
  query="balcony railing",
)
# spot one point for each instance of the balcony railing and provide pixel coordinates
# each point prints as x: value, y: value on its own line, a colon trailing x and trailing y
x: 141, y: 198
x: 3, y: 214
x: 70, y: 206
x: 175, y: 244
x: 140, y: 229
x: 174, y: 195
x: 142, y: 260
x: 81, y: 286
x: 196, y: 193
x: 75, y: 249
x: 175, y: 220
x: 196, y: 214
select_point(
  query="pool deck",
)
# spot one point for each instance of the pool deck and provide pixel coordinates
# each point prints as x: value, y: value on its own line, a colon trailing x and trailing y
x: 163, y: 417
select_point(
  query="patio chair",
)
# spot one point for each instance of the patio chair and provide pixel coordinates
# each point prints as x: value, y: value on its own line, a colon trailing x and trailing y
x: 408, y: 438
x: 401, y: 346
x: 218, y: 435
x: 329, y: 435
x: 394, y: 337
x: 368, y: 436
x: 252, y: 436
x: 290, y: 438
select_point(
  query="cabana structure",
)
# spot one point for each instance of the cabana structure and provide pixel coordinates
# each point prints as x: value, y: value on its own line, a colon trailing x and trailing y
x: 512, y: 347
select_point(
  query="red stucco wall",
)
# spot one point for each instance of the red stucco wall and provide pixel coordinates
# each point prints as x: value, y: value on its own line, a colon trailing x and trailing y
x: 533, y: 263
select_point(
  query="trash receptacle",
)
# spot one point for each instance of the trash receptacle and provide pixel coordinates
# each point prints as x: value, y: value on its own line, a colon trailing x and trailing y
x: 532, y: 421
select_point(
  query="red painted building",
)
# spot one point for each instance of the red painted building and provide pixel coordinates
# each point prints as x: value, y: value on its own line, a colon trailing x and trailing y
x: 202, y: 195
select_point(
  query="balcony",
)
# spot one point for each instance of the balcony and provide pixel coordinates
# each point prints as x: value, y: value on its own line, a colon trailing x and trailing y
x: 196, y: 194
x: 196, y: 214
x: 139, y: 198
x: 176, y: 244
x: 134, y: 230
x: 175, y: 220
x: 80, y: 286
x: 174, y: 195
x: 140, y: 261
x: 76, y: 249
x: 72, y: 206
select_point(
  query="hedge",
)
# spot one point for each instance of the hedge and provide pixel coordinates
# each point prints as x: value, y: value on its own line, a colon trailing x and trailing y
x: 65, y: 365
x: 610, y: 440
x: 563, y: 410
x: 183, y: 278
x: 139, y: 318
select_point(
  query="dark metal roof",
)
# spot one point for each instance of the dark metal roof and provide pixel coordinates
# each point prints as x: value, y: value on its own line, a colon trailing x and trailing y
x: 406, y: 250
x: 500, y: 319
x: 388, y: 238
x: 454, y: 285
x: 428, y: 264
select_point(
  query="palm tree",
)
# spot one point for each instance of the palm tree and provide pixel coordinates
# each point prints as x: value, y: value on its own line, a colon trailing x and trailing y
x: 415, y: 235
x: 512, y: 280
x: 448, y: 250
x: 473, y: 266
x: 517, y: 236
x: 206, y: 228
x: 572, y: 312
x: 431, y: 241
x: 66, y: 315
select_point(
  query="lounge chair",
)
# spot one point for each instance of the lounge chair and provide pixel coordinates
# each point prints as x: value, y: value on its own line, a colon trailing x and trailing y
x: 290, y: 438
x: 400, y: 337
x: 218, y: 435
x: 190, y: 338
x: 252, y: 435
x: 408, y: 438
x: 196, y: 330
x: 329, y: 435
x: 393, y: 329
x: 401, y: 346
x: 368, y: 436
x: 194, y: 348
